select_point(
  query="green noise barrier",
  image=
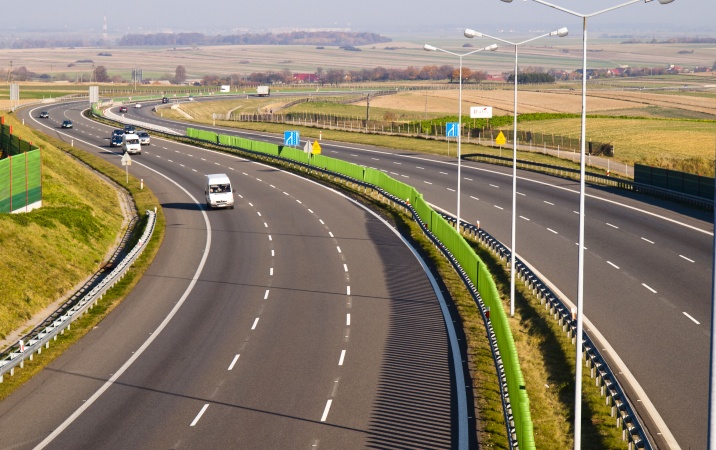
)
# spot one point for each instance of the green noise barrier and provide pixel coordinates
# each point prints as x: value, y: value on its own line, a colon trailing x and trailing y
x: 475, y: 269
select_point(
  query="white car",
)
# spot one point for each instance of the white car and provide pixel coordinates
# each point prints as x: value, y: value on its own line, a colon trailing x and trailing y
x: 138, y: 105
x: 143, y: 137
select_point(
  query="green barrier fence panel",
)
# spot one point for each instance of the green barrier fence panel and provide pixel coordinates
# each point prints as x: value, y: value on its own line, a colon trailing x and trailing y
x: 295, y: 154
x: 424, y: 210
x: 34, y: 176
x: 5, y: 185
x: 18, y: 178
x: 319, y: 161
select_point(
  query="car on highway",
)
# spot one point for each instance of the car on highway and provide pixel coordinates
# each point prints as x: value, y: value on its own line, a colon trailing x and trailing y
x: 143, y: 137
x: 138, y: 105
x: 67, y: 124
x: 117, y: 132
x: 122, y: 109
x: 129, y: 129
x: 116, y: 140
x: 165, y: 100
x: 44, y: 115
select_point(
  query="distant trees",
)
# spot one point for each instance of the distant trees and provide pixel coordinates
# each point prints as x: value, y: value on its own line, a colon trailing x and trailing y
x: 100, y: 74
x: 180, y: 74
x: 531, y: 78
x: 320, y: 38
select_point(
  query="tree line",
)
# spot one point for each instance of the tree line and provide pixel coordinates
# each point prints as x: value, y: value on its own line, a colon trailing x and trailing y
x: 337, y: 38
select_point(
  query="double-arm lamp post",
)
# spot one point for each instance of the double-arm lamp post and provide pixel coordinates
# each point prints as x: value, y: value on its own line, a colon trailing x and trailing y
x: 471, y: 34
x: 431, y: 48
x: 580, y: 277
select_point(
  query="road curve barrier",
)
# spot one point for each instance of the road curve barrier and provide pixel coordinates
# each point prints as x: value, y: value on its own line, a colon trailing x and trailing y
x: 470, y: 267
x: 39, y: 338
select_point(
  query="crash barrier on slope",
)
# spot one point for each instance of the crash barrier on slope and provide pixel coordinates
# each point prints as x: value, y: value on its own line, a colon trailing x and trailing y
x: 677, y: 186
x: 20, y: 173
x: 34, y: 342
x: 471, y: 268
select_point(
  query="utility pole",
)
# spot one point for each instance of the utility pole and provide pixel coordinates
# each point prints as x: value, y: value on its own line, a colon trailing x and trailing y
x: 9, y: 73
x: 367, y: 111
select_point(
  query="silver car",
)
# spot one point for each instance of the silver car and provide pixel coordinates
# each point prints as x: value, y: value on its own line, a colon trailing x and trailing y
x: 143, y: 137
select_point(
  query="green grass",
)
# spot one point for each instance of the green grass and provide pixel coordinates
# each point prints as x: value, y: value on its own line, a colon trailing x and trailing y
x: 52, y: 262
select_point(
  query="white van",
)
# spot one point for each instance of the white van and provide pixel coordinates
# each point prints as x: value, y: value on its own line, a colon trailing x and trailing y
x: 218, y: 191
x: 130, y: 144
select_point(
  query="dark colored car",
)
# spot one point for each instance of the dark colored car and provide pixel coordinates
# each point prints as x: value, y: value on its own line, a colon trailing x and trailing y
x: 129, y: 129
x: 117, y: 132
x: 44, y: 115
x: 116, y: 140
x: 66, y: 124
x: 165, y: 100
x: 122, y: 109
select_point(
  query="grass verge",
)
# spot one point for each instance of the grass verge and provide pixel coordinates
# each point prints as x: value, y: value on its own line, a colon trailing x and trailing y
x: 144, y: 200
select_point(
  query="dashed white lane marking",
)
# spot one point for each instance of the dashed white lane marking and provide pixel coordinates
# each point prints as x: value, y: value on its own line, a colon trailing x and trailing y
x: 394, y: 173
x: 576, y: 212
x: 203, y: 159
x: 251, y: 204
x: 330, y: 234
x: 444, y: 173
x: 286, y: 193
x: 353, y: 154
x: 345, y: 267
x: 265, y: 225
x: 325, y: 411
x: 613, y: 226
x: 688, y: 259
x: 259, y: 179
x: 421, y: 168
x: 194, y: 170
x: 348, y: 290
x: 170, y: 160
x: 613, y: 265
x: 468, y: 179
x: 646, y: 286
x: 343, y: 356
x: 396, y: 162
x: 694, y: 320
x: 231, y: 366
x: 474, y: 198
x: 577, y: 244
x: 270, y: 238
x: 181, y: 165
x: 322, y: 222
x: 217, y: 163
x: 451, y: 190
x: 271, y: 271
x: 298, y: 201
x: 498, y: 207
x: 427, y: 182
x: 266, y: 294
x: 375, y: 159
x: 405, y: 176
x: 494, y: 186
x: 339, y: 249
x: 198, y: 416
x: 273, y: 252
x: 348, y: 319
x: 549, y: 229
x: 549, y: 203
x: 258, y: 213
x: 525, y: 218
x: 520, y: 193
x: 256, y: 322
x: 311, y: 211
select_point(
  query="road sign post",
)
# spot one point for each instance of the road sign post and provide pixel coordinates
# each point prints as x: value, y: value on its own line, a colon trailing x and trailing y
x: 126, y: 162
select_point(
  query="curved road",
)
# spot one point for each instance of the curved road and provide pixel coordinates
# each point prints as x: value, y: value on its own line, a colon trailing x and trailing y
x: 647, y: 267
x: 297, y: 320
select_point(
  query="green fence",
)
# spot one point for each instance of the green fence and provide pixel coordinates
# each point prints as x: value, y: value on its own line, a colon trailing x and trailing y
x: 683, y: 182
x: 474, y: 267
x: 20, y: 173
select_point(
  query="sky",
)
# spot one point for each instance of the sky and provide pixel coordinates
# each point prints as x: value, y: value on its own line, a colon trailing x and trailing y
x: 379, y: 16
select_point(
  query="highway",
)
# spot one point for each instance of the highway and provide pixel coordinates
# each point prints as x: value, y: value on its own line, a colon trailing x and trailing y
x: 297, y: 320
x: 648, y: 266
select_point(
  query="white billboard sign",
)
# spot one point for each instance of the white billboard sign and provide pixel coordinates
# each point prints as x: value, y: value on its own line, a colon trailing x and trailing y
x: 481, y: 112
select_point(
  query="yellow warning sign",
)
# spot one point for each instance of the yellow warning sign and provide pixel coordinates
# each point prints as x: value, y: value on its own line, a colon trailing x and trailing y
x: 316, y: 149
x: 500, y: 139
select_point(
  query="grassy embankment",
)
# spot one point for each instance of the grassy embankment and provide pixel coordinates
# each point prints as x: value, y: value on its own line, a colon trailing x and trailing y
x: 53, y: 248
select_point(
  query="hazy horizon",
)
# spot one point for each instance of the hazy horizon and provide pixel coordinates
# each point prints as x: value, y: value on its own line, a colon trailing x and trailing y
x: 229, y: 17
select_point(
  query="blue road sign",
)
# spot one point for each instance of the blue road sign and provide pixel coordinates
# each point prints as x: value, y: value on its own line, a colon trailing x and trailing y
x: 452, y: 129
x: 291, y: 138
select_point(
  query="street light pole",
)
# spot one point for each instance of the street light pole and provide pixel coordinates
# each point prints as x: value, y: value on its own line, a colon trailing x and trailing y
x: 582, y: 164
x: 431, y: 48
x: 513, y: 250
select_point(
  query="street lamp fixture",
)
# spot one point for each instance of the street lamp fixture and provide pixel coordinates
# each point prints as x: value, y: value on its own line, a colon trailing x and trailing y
x: 580, y: 276
x: 432, y: 48
x: 513, y: 250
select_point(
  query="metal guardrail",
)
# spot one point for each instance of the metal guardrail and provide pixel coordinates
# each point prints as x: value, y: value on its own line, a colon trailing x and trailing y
x: 33, y: 343
x: 633, y: 429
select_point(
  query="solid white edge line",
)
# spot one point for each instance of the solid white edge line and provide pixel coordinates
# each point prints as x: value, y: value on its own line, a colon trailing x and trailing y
x: 154, y: 334
x: 342, y: 358
x: 233, y: 363
x: 326, y: 409
x: 621, y: 368
x: 198, y: 416
x: 694, y: 320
